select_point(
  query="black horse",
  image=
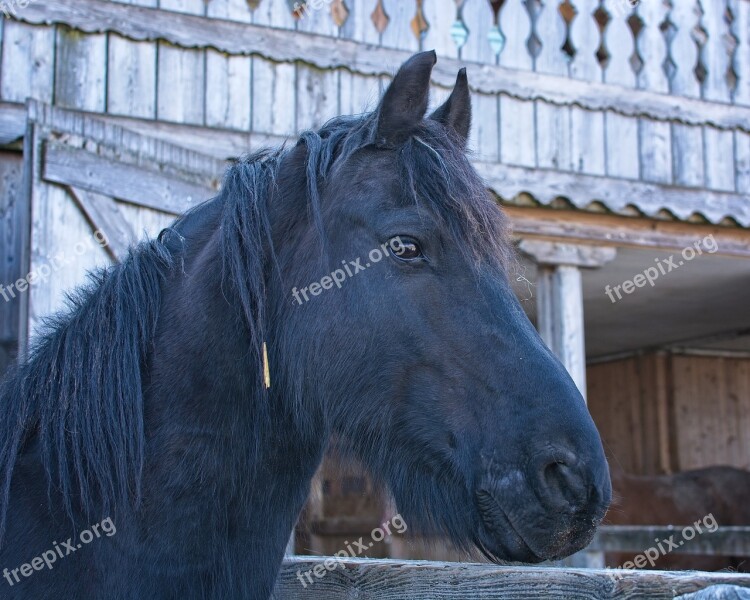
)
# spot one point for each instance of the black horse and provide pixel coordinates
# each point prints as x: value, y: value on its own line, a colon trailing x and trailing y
x: 142, y: 454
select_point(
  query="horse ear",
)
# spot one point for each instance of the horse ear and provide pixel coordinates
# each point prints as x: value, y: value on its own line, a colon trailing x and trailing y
x: 405, y: 102
x: 455, y: 113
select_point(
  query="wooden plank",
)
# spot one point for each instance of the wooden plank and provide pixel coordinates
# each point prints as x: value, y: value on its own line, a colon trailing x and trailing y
x: 57, y: 229
x: 12, y: 122
x: 719, y: 145
x: 190, y: 31
x: 655, y: 137
x: 741, y: 12
x: 418, y: 580
x: 687, y: 140
x: 517, y: 126
x: 181, y: 79
x: 274, y: 14
x: 742, y: 150
x: 11, y: 216
x: 317, y: 97
x: 725, y: 541
x: 358, y: 93
x: 180, y: 85
x: 359, y: 26
x: 104, y: 216
x: 612, y: 393
x: 690, y: 413
x: 738, y: 392
x: 560, y: 298
x: 316, y: 18
x: 79, y: 168
x: 228, y: 78
x: 131, y: 74
x: 398, y: 34
x: 484, y: 139
x: 218, y: 143
x: 27, y: 69
x: 553, y: 135
x: 441, y: 16
x: 621, y: 133
x: 508, y: 182
x: 665, y: 430
x: 586, y: 127
x: 126, y: 145
x: 274, y: 98
x: 617, y: 195
x: 81, y: 70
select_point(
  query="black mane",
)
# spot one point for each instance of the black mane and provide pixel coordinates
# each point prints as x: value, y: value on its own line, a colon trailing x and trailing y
x: 80, y: 392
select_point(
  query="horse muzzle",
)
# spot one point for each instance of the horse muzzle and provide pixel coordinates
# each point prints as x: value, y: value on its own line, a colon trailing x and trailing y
x: 548, y: 513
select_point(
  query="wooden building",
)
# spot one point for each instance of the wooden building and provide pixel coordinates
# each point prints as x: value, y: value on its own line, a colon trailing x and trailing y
x: 616, y: 136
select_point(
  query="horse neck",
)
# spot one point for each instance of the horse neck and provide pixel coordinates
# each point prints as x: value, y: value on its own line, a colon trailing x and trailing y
x: 203, y: 411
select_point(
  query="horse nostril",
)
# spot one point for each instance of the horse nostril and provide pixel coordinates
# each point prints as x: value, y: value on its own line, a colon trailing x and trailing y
x: 562, y: 483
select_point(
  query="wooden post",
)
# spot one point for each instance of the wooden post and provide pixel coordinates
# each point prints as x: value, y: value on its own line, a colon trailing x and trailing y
x: 560, y: 298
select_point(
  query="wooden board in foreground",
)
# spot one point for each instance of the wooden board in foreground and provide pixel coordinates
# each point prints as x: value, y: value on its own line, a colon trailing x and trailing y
x: 414, y: 580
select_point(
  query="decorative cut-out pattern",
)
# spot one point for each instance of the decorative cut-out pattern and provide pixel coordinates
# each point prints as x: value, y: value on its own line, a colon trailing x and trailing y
x: 459, y: 31
x: 533, y: 43
x: 569, y: 13
x: 700, y: 37
x: 636, y: 24
x: 380, y: 18
x: 419, y: 24
x: 339, y: 12
x: 603, y: 18
x: 298, y: 8
x: 733, y: 42
x: 496, y: 37
x: 669, y: 31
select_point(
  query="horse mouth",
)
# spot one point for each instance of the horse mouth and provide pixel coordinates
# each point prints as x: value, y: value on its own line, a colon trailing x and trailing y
x: 502, y: 541
x: 506, y: 540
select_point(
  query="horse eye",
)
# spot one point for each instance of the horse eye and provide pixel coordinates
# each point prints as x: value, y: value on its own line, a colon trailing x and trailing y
x: 405, y: 248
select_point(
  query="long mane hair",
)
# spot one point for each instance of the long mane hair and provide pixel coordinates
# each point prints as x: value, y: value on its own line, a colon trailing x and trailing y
x: 80, y: 393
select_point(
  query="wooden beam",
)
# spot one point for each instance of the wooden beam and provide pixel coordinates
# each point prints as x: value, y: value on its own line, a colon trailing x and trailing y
x: 78, y: 168
x: 724, y: 541
x: 507, y: 182
x: 194, y: 166
x: 218, y: 143
x: 419, y: 580
x: 12, y: 123
x: 560, y: 298
x: 617, y: 195
x: 615, y: 230
x: 104, y: 216
x: 560, y: 318
x: 560, y: 253
x: 234, y: 38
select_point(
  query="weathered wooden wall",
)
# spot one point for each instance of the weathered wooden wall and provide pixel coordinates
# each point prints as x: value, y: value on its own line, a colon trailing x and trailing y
x: 586, y: 97
x: 664, y: 412
x: 11, y: 228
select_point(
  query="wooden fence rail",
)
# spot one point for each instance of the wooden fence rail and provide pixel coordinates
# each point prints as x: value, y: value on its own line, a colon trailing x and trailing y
x: 308, y: 578
x: 725, y: 541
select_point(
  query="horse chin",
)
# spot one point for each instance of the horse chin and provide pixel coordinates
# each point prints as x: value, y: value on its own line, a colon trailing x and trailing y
x: 498, y: 540
x: 501, y: 540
